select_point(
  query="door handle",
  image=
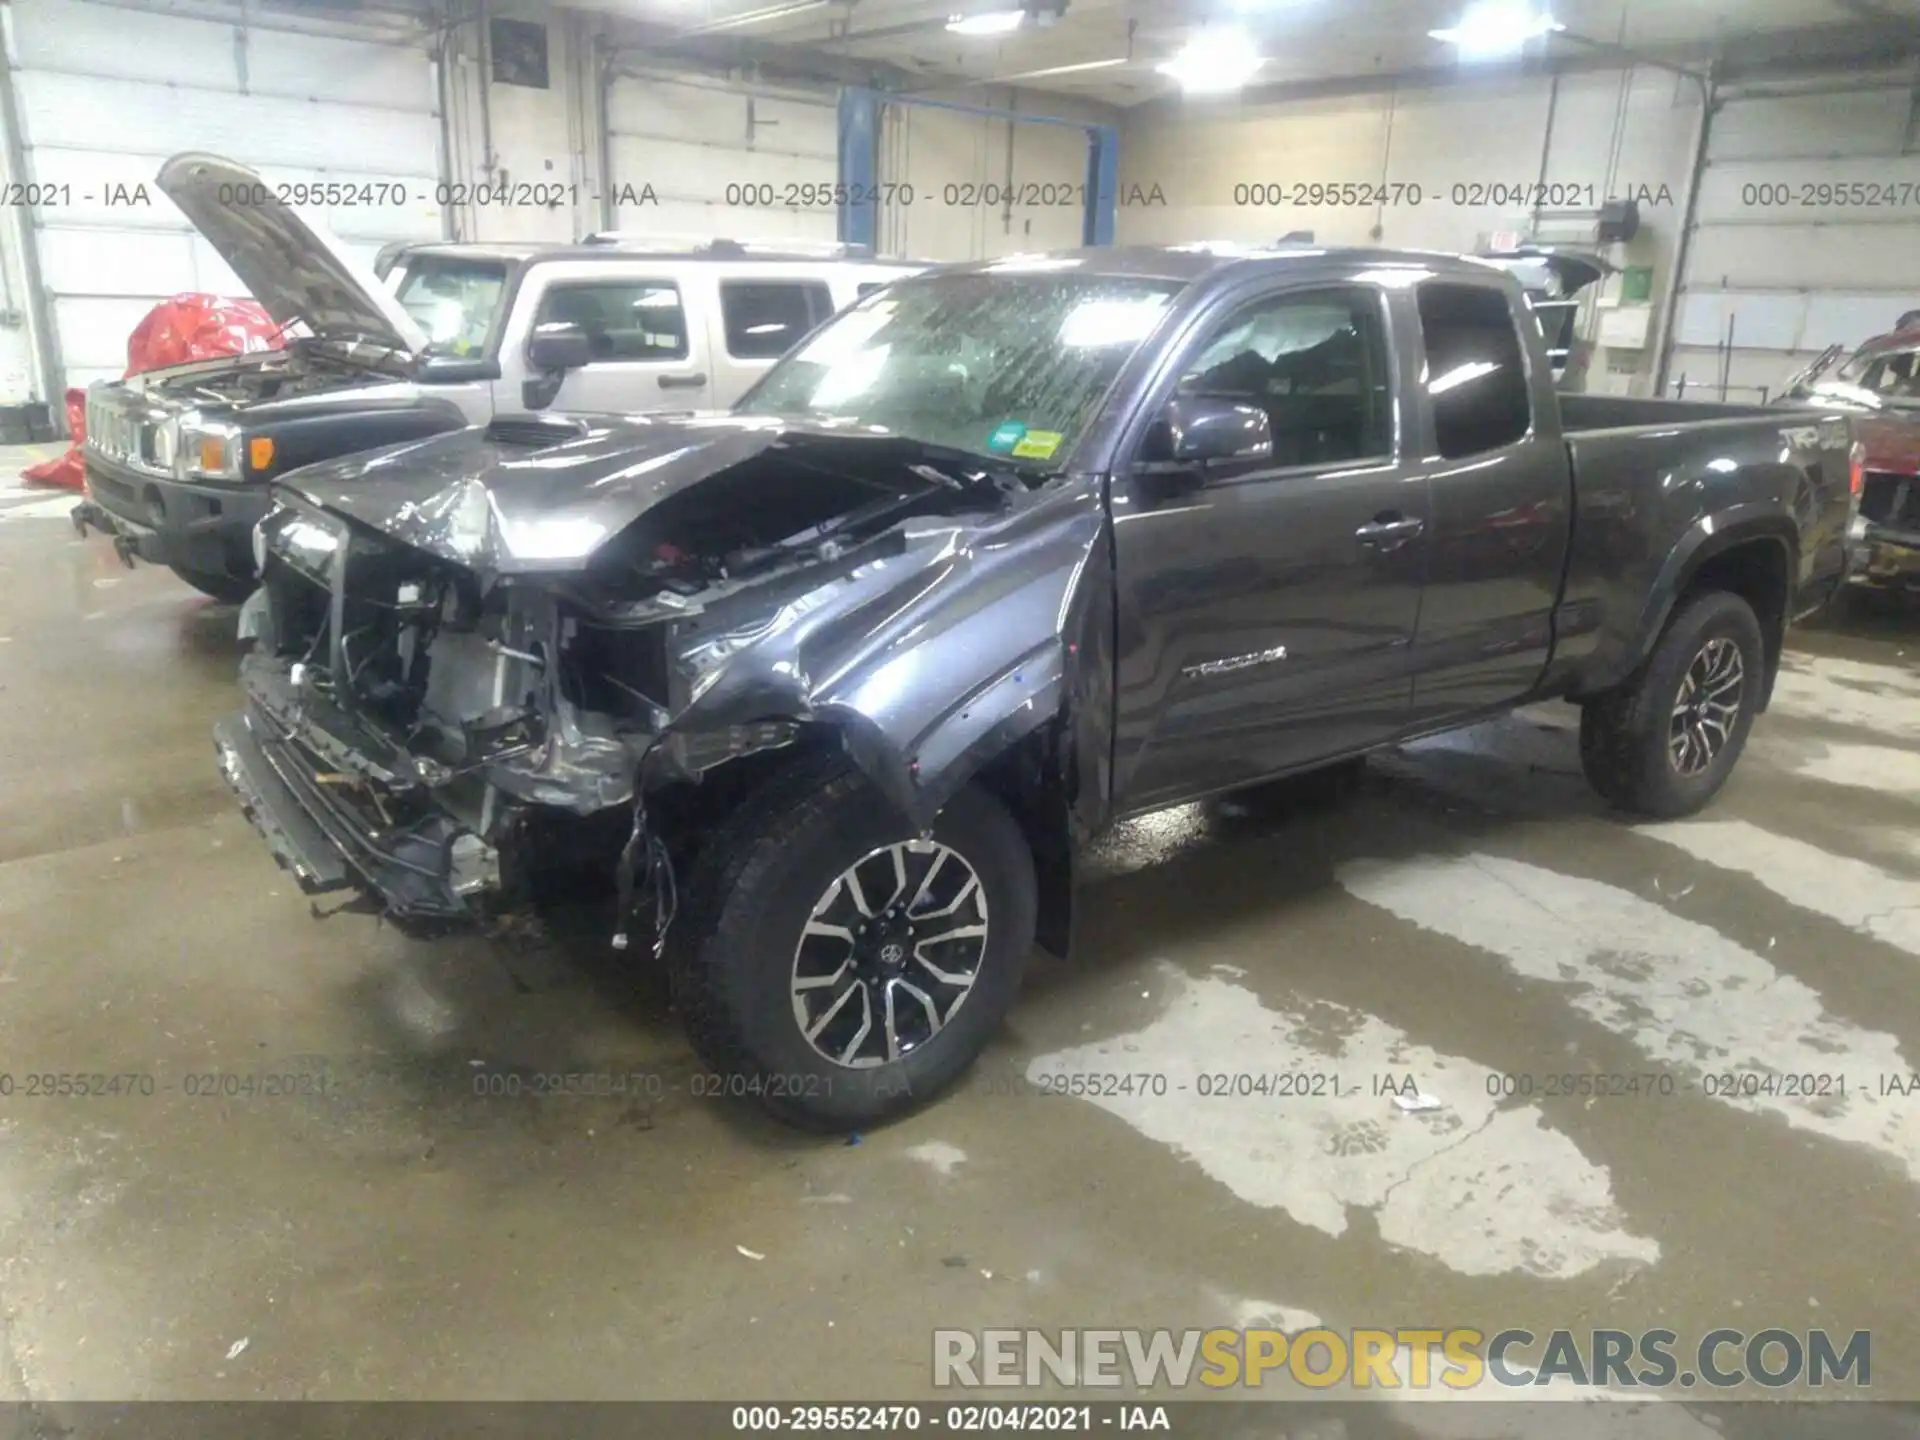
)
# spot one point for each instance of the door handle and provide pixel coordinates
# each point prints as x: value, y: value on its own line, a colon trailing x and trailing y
x: 1388, y: 531
x: 682, y: 382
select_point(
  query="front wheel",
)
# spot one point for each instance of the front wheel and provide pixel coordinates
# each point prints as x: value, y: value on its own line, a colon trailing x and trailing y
x: 1664, y: 743
x: 838, y: 968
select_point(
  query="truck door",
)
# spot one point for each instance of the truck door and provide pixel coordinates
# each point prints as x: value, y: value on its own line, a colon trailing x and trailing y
x: 1502, y: 495
x: 1266, y: 613
x: 647, y: 353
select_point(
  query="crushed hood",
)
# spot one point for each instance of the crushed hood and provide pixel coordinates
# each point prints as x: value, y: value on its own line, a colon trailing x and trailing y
x: 541, y: 494
x: 297, y: 273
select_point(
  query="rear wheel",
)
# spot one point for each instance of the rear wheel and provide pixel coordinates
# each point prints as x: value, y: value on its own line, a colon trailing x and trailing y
x: 1664, y: 743
x: 838, y: 968
x: 229, y: 589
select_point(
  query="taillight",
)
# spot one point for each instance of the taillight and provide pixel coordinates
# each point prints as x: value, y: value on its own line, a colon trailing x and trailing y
x: 1857, y: 470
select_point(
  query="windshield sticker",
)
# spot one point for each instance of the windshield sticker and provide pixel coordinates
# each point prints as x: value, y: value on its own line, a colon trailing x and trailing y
x: 1007, y: 436
x: 1038, y: 444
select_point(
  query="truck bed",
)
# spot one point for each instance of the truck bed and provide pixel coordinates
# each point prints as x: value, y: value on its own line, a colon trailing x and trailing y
x: 1611, y: 412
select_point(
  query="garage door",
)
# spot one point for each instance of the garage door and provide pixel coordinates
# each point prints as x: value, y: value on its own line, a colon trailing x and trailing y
x: 694, y: 154
x: 959, y: 186
x: 1808, y: 234
x: 107, y: 92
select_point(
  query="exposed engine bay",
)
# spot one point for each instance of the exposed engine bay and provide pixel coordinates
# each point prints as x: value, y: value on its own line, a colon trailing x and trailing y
x: 452, y: 727
x: 302, y: 368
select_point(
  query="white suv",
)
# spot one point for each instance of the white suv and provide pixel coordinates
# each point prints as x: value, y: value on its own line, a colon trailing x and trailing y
x: 618, y: 322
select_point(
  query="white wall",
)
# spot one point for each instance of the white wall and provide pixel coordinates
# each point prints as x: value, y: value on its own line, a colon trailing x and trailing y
x: 105, y: 93
x: 541, y: 138
x: 980, y: 186
x: 718, y: 154
x: 1611, y: 132
x: 20, y: 380
x: 1794, y: 278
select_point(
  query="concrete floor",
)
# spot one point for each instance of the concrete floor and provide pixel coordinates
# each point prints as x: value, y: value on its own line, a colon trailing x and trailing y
x: 1470, y: 911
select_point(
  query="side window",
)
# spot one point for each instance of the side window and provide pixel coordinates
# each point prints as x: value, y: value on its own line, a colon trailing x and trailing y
x: 623, y: 319
x: 1476, y: 375
x: 764, y: 319
x: 1317, y: 362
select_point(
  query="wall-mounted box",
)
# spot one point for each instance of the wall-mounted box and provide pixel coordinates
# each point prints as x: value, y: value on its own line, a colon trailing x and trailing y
x: 1626, y: 327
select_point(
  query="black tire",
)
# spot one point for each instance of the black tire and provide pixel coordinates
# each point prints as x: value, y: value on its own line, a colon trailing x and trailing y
x: 228, y: 589
x: 1627, y: 735
x: 751, y: 893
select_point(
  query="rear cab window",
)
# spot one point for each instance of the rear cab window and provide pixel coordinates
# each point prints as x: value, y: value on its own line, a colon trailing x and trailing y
x: 763, y: 319
x: 1476, y: 370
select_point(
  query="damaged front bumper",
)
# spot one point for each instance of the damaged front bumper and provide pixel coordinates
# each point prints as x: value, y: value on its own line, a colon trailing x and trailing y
x: 324, y: 801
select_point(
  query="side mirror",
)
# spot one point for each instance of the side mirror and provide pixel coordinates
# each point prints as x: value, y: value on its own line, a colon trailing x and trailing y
x: 557, y: 347
x: 1199, y: 432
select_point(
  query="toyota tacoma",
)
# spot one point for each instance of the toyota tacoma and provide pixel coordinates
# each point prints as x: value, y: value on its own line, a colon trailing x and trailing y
x: 831, y: 692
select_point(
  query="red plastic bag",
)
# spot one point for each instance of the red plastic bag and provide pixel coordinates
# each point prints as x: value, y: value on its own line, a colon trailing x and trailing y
x: 199, y: 327
x: 65, y: 470
x: 187, y: 327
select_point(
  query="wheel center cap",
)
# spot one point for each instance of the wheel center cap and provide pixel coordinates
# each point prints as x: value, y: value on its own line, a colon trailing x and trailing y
x: 885, y: 945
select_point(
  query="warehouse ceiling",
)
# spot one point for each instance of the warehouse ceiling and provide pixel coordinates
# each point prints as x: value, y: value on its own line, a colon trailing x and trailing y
x: 1108, y: 50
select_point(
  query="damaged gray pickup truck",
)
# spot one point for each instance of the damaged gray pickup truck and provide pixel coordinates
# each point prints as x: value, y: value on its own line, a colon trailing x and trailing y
x: 831, y: 691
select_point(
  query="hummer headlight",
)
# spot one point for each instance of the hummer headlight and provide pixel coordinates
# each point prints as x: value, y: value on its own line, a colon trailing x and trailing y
x: 209, y: 450
x: 166, y: 443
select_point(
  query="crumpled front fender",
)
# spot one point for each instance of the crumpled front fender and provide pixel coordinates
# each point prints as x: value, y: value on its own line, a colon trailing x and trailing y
x: 928, y: 662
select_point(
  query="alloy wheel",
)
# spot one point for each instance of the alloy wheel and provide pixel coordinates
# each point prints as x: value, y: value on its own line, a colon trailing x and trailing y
x: 889, y: 953
x: 1707, y: 708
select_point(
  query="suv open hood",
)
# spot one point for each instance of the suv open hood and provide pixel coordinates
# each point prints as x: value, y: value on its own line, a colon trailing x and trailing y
x: 296, y: 272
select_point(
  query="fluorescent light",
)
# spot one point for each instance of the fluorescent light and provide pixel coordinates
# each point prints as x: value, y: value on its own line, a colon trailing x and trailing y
x: 1497, y: 27
x: 758, y: 17
x: 1064, y: 69
x: 991, y: 22
x: 1214, y: 60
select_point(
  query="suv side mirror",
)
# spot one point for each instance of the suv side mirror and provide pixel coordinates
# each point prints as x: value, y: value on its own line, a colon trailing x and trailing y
x: 558, y: 346
x: 1199, y: 432
x: 552, y: 350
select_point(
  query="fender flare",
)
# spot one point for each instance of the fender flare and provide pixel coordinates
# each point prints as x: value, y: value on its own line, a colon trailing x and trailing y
x: 921, y: 773
x: 1708, y: 536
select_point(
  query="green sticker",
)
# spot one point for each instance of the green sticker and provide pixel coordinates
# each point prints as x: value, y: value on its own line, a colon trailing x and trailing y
x: 1007, y: 436
x: 1038, y: 444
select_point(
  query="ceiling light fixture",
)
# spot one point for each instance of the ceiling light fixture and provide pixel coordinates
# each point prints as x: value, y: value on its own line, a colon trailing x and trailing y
x: 1491, y: 28
x: 990, y: 22
x: 758, y: 17
x: 1062, y: 70
x: 1214, y: 60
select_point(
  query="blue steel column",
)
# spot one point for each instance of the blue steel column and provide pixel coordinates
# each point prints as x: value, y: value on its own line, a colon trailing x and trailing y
x: 859, y: 222
x: 1103, y: 185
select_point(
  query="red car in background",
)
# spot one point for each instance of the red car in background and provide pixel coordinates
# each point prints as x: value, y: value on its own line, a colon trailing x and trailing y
x: 1880, y: 382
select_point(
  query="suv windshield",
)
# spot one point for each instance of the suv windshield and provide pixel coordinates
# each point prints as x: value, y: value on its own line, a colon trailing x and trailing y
x: 999, y: 362
x: 456, y: 301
